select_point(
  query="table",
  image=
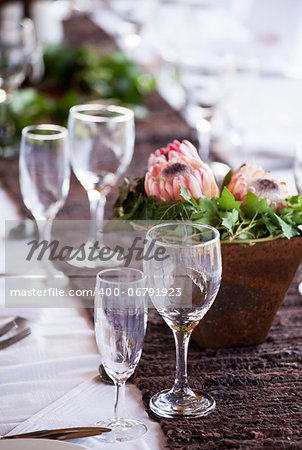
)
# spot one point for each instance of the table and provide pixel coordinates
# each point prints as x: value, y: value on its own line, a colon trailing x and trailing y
x: 50, y: 386
x: 45, y: 384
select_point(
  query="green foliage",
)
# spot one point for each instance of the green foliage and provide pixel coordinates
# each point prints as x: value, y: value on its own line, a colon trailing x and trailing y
x: 236, y: 222
x: 27, y: 106
x: 75, y: 76
x: 62, y: 65
x: 112, y: 75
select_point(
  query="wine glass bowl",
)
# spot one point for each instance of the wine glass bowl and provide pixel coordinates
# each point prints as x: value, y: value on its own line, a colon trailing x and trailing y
x: 102, y: 142
x: 44, y: 169
x: 14, y: 60
x: 120, y: 326
x: 44, y: 172
x: 13, y: 55
x: 185, y: 283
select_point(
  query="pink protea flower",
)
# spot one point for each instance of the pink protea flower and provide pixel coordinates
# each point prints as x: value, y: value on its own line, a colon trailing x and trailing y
x: 260, y: 183
x: 179, y: 165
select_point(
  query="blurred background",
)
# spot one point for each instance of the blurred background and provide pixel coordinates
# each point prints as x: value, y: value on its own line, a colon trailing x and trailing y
x: 232, y: 68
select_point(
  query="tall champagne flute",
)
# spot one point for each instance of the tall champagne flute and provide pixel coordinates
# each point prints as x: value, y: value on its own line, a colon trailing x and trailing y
x: 102, y: 142
x: 120, y: 326
x: 44, y: 171
x: 298, y: 179
x: 183, y: 284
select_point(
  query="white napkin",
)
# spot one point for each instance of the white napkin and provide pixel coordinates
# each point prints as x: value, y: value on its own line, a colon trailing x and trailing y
x: 88, y: 403
x: 59, y: 354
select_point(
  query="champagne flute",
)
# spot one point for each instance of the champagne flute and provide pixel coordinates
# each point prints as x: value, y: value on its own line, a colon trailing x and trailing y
x: 44, y: 171
x: 298, y: 179
x: 182, y: 285
x: 120, y: 326
x: 102, y: 142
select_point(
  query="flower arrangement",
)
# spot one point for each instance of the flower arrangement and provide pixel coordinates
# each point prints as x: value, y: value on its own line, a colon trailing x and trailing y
x: 178, y: 185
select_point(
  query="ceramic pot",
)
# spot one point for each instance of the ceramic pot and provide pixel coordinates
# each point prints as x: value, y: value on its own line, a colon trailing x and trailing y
x: 254, y: 283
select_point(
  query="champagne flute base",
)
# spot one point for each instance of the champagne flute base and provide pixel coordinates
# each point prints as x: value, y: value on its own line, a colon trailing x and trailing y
x: 172, y: 405
x: 122, y: 430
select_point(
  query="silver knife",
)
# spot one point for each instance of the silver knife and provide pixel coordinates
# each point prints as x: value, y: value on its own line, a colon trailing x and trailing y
x: 60, y: 434
x: 10, y: 325
x: 4, y: 343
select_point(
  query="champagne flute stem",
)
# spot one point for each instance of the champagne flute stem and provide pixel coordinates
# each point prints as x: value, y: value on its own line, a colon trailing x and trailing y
x: 119, y: 401
x: 181, y: 343
x: 97, y: 201
x: 44, y: 229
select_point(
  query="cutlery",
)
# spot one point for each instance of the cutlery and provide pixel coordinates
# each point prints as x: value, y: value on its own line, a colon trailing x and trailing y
x: 10, y: 325
x: 60, y: 433
x: 4, y: 343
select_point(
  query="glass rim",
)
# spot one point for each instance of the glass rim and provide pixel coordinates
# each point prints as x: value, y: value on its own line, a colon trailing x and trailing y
x: 200, y: 244
x: 61, y: 132
x: 99, y: 275
x: 78, y: 112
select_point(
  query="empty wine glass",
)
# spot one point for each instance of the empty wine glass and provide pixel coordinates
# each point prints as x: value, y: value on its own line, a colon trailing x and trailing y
x: 298, y: 179
x: 13, y: 65
x: 182, y: 284
x: 120, y: 326
x: 102, y: 142
x: 44, y: 171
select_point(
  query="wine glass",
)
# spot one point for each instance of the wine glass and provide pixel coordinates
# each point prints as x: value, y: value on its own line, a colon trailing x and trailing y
x: 120, y: 326
x: 298, y: 179
x: 13, y: 66
x: 44, y: 171
x: 182, y: 283
x: 102, y: 142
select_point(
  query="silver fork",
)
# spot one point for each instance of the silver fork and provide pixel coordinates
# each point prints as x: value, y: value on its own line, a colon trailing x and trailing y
x: 12, y: 324
x: 21, y: 334
x: 4, y: 343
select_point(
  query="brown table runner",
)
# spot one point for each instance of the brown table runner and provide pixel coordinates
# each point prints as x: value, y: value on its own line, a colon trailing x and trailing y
x: 258, y: 389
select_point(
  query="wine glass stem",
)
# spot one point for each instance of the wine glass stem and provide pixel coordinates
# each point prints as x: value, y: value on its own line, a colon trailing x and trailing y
x: 181, y: 343
x: 119, y: 402
x: 44, y: 228
x: 97, y: 201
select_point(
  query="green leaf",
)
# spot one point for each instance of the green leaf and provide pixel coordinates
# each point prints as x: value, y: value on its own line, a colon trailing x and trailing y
x: 227, y: 178
x: 229, y: 219
x: 247, y: 235
x: 209, y: 206
x: 269, y: 224
x: 295, y: 201
x: 185, y: 193
x: 227, y: 201
x: 187, y: 196
x: 123, y: 191
x: 254, y: 206
x: 288, y: 230
x: 208, y: 212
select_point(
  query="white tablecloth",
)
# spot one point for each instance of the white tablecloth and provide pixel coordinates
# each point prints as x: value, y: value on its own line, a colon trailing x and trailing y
x: 49, y: 379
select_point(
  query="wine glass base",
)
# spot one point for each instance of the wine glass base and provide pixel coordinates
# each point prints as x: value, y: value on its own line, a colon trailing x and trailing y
x: 125, y: 430
x: 300, y: 288
x: 167, y: 404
